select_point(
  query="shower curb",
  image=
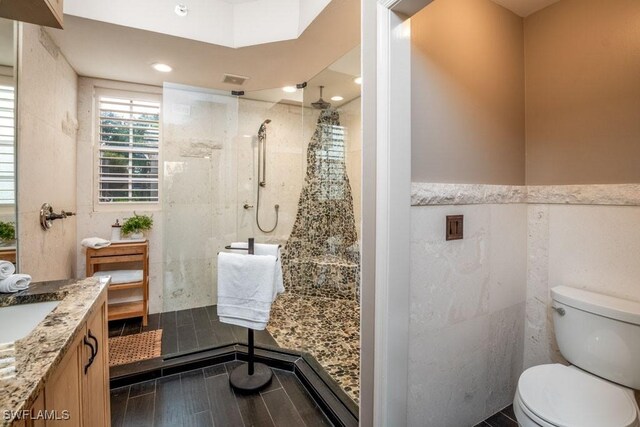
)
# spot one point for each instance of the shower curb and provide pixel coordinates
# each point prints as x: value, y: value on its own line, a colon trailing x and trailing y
x: 332, y: 400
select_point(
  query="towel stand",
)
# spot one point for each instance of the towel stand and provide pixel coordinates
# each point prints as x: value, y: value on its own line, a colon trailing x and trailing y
x: 250, y: 377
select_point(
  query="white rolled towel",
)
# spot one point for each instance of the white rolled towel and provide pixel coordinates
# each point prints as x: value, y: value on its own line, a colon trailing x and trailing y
x: 15, y: 283
x: 95, y: 243
x: 6, y: 269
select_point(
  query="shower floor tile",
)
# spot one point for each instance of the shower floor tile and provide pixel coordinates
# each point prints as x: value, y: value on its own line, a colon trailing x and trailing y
x: 327, y: 328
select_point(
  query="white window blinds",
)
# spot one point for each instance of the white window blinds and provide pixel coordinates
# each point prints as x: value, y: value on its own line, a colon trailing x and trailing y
x: 129, y: 135
x: 331, y: 163
x: 7, y: 145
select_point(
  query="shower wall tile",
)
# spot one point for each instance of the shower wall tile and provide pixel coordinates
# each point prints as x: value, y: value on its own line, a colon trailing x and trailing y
x: 467, y: 313
x: 189, y: 232
x: 179, y: 179
x: 189, y: 283
x: 199, y: 191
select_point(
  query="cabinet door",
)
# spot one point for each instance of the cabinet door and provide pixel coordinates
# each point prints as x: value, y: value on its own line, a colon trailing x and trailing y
x: 96, y: 379
x: 36, y: 409
x: 56, y: 9
x: 63, y: 392
x: 39, y: 12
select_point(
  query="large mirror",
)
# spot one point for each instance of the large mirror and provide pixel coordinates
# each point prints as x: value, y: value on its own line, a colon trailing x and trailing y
x: 8, y: 98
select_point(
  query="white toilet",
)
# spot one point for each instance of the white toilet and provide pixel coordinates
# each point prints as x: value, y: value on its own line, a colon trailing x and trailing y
x: 600, y: 336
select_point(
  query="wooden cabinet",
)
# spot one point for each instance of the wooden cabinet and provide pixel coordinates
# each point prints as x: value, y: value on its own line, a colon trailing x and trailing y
x: 79, y: 386
x: 42, y: 12
x: 63, y: 392
x: 37, y: 408
x: 96, y: 379
x: 124, y: 253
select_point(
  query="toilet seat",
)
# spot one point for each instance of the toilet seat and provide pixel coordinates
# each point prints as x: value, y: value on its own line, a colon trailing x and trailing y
x: 560, y: 396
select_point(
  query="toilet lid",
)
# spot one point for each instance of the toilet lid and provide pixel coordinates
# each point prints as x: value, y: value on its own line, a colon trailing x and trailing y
x: 568, y: 397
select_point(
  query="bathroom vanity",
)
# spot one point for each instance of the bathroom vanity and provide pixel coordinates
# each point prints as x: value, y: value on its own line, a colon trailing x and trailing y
x: 61, y: 363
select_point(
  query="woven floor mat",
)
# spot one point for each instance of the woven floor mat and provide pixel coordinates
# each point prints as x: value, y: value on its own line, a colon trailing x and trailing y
x: 135, y: 347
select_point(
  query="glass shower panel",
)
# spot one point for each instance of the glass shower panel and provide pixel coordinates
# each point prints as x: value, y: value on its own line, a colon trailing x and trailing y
x: 268, y: 203
x: 322, y: 254
x: 320, y: 311
x: 199, y: 191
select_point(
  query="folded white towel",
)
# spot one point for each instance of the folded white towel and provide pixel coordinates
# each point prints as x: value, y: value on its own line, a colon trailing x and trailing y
x: 7, y: 348
x: 8, y: 373
x: 15, y: 283
x: 95, y: 243
x: 6, y: 269
x: 265, y: 249
x: 7, y: 361
x: 121, y: 276
x: 246, y: 289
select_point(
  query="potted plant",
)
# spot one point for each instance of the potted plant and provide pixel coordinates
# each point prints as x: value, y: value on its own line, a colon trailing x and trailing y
x: 135, y: 226
x: 7, y: 233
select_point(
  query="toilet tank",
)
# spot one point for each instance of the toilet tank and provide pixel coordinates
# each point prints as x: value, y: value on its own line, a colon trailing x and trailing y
x: 598, y: 333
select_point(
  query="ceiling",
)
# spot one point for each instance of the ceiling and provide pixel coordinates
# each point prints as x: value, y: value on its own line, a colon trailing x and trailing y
x: 337, y: 79
x: 109, y: 51
x: 231, y: 23
x: 525, y: 8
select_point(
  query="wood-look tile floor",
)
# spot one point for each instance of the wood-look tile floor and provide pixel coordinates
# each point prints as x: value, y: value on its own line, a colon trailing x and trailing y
x: 504, y: 418
x: 203, y: 397
x: 189, y: 330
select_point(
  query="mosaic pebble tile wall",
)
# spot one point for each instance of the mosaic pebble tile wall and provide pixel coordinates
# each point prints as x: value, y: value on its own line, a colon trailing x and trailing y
x: 321, y: 256
x: 320, y: 311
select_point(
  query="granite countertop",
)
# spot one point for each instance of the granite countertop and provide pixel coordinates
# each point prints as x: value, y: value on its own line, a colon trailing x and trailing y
x: 39, y: 353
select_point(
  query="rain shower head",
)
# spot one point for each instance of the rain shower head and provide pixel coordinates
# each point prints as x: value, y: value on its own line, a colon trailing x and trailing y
x: 321, y: 104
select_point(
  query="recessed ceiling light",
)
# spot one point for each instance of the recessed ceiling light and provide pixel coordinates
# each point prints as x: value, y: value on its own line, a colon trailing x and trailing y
x: 358, y: 80
x: 337, y: 98
x: 289, y: 89
x: 181, y: 10
x: 163, y: 68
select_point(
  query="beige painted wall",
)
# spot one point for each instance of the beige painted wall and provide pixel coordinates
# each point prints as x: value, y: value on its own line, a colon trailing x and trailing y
x: 47, y: 123
x: 583, y: 93
x: 468, y: 93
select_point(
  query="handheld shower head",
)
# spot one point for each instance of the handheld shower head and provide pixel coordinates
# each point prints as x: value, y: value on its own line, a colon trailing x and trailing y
x: 263, y: 128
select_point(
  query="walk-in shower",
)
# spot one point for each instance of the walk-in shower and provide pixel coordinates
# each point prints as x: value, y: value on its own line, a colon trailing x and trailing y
x: 227, y: 160
x: 262, y: 175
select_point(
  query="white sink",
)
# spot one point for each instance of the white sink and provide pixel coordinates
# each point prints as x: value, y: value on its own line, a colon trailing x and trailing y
x: 19, y: 320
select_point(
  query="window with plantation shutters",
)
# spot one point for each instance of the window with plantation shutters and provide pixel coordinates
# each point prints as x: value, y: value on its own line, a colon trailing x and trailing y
x: 129, y: 146
x: 331, y: 163
x: 7, y: 145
